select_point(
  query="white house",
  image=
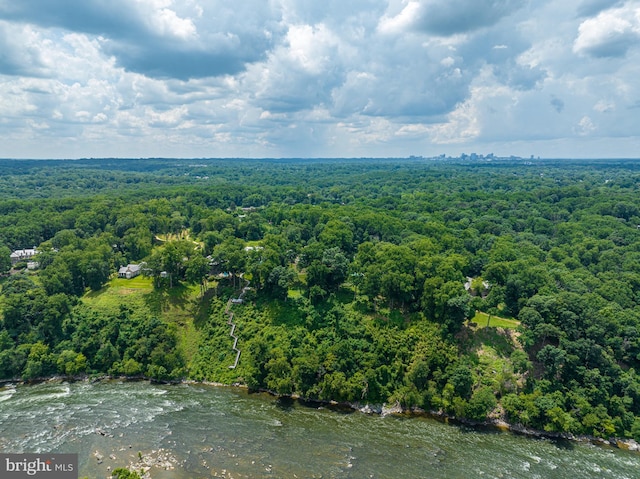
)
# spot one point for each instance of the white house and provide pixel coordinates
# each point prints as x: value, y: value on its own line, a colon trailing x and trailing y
x: 23, y: 254
x: 129, y: 271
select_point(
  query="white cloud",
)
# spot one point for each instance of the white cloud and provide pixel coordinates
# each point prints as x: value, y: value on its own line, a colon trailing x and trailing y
x: 167, y: 23
x: 20, y: 46
x: 403, y: 21
x: 172, y: 118
x: 302, y: 77
x: 311, y: 47
x: 448, y: 62
x: 585, y: 126
x: 604, y: 106
x: 462, y: 125
x: 471, y: 118
x: 610, y: 34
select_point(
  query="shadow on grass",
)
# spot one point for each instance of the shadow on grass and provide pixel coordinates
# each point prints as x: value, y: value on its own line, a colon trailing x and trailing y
x: 474, y: 340
x: 162, y: 299
x: 344, y: 295
x: 202, y: 307
x: 91, y: 294
x: 281, y: 312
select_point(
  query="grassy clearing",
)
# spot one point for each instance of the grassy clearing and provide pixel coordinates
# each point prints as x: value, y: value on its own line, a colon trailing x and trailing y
x: 173, y: 302
x: 180, y: 305
x: 141, y: 283
x: 294, y: 293
x: 501, y: 342
x: 490, y: 351
x: 117, y: 292
x: 484, y: 320
x: 183, y: 235
x: 281, y: 312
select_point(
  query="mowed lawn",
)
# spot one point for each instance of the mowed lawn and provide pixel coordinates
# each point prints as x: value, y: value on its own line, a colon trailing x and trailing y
x: 483, y: 320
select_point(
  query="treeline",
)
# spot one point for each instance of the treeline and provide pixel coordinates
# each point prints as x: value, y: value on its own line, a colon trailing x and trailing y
x: 358, y: 272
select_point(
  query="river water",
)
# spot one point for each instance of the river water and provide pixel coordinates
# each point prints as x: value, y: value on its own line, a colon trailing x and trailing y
x: 198, y: 431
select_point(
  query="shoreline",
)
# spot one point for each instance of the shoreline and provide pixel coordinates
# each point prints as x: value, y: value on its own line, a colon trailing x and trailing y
x: 627, y: 444
x: 500, y: 425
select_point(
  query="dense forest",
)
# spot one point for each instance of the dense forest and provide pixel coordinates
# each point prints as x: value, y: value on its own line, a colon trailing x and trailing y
x: 484, y: 288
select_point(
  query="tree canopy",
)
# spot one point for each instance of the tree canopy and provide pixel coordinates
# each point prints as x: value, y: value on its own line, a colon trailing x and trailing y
x: 365, y: 276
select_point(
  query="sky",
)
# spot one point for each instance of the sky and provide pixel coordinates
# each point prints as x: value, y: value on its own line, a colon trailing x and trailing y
x: 310, y: 78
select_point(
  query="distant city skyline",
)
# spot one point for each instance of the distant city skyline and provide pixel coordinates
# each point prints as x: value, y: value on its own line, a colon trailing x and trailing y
x: 287, y: 78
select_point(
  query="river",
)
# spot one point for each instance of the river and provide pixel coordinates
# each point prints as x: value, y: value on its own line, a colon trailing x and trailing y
x: 198, y: 431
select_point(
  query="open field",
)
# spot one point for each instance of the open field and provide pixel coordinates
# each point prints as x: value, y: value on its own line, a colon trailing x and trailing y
x: 484, y: 320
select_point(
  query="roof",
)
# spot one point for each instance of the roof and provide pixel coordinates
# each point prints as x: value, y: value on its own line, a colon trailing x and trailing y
x: 131, y: 268
x: 23, y: 253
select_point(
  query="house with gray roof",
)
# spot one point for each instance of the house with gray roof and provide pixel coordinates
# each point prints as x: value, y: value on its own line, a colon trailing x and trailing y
x: 23, y: 254
x: 129, y: 271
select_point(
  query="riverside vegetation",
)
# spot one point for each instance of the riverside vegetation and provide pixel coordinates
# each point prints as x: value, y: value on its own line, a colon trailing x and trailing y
x: 357, y: 271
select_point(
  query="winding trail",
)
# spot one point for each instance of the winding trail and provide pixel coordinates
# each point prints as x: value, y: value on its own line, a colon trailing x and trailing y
x: 230, y: 322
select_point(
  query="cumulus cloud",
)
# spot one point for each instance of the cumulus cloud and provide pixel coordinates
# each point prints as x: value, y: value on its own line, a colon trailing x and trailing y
x: 403, y: 21
x: 300, y: 73
x: 404, y: 79
x: 19, y: 52
x: 611, y: 33
x: 302, y: 77
x: 585, y: 126
x: 505, y: 49
x: 603, y: 106
x: 311, y: 47
x: 449, y: 17
x: 462, y: 126
x: 151, y: 37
